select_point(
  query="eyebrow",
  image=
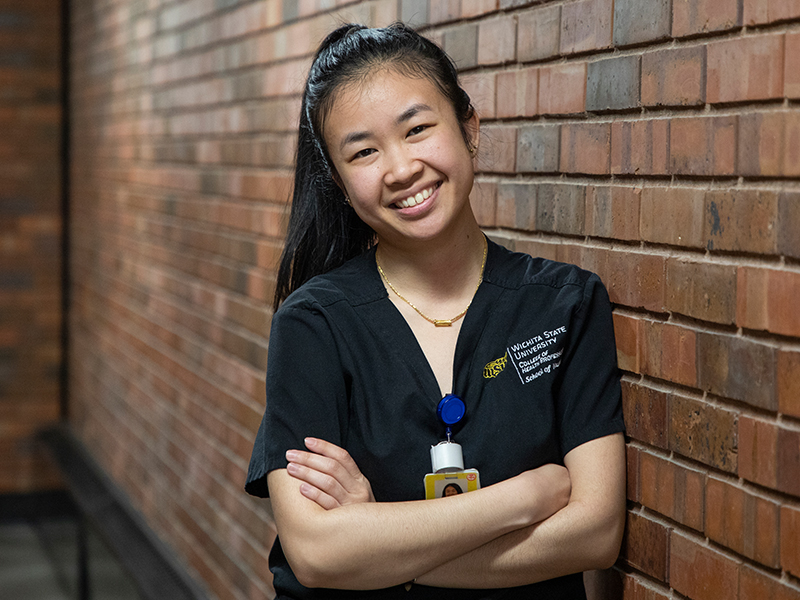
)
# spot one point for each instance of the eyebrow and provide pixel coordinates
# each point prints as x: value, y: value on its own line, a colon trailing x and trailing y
x: 408, y: 114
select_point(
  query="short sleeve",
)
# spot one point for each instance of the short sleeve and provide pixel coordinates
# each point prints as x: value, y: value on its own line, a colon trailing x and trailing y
x: 589, y: 395
x: 306, y: 392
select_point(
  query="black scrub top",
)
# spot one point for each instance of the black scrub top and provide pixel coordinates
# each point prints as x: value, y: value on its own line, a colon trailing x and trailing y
x: 535, y: 365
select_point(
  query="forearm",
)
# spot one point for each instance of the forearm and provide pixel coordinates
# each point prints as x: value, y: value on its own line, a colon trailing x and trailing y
x: 574, y: 539
x: 376, y: 545
x: 585, y: 534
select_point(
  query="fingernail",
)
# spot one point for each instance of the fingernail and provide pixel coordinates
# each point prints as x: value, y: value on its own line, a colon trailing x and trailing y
x: 310, y: 442
x: 292, y: 455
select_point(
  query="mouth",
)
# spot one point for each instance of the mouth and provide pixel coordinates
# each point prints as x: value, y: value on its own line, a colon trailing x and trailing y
x: 418, y: 198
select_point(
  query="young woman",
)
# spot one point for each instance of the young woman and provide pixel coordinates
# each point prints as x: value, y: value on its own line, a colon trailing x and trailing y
x: 390, y: 297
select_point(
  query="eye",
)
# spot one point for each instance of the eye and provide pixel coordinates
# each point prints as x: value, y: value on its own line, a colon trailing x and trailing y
x: 363, y: 153
x: 417, y: 129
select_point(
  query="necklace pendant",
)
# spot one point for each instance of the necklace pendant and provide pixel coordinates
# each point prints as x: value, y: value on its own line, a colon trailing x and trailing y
x: 443, y: 322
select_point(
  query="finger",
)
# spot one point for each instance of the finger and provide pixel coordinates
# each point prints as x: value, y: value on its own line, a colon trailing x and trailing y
x: 316, y: 495
x: 334, y: 452
x: 323, y: 464
x: 322, y: 481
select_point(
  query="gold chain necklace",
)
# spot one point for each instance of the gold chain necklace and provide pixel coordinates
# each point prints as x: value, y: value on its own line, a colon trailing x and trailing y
x: 437, y: 322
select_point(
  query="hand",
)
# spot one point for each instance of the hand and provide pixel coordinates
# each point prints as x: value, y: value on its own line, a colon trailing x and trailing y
x: 330, y: 476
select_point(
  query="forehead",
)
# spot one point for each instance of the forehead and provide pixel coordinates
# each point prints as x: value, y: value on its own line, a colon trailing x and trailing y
x: 382, y: 96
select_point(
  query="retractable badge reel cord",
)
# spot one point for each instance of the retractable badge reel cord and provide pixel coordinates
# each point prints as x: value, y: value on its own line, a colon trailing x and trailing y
x: 447, y: 460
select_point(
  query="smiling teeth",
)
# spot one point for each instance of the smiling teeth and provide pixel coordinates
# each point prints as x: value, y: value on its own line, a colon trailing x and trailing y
x: 418, y: 198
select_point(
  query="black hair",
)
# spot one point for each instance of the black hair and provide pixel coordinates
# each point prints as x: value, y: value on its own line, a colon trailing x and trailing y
x: 324, y: 232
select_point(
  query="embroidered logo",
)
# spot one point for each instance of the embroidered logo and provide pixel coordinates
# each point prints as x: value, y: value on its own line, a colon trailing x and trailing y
x: 494, y: 368
x: 538, y: 355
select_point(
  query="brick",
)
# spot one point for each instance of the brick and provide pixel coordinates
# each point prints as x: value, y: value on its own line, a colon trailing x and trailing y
x: 703, y: 146
x: 743, y: 69
x: 758, y: 451
x: 632, y: 279
x: 518, y: 93
x: 789, y: 461
x: 640, y: 147
x: 704, y: 291
x: 481, y: 88
x: 636, y: 589
x: 560, y: 208
x: 769, y: 11
x: 632, y: 473
x: 789, y: 223
x: 672, y: 490
x: 769, y: 144
x: 638, y: 21
x: 675, y: 76
x: 741, y: 220
x: 673, y: 216
x: 788, y: 382
x: 679, y: 355
x: 585, y: 148
x: 767, y: 300
x: 412, y: 12
x: 703, y: 432
x: 690, y: 17
x: 613, y: 83
x: 461, y: 43
x: 586, y: 25
x: 645, y: 545
x: 645, y: 412
x: 497, y: 40
x: 626, y: 333
x: 474, y: 8
x: 613, y: 212
x: 791, y: 66
x: 498, y: 149
x: 544, y: 249
x: 756, y: 584
x: 444, y: 11
x: 743, y: 522
x: 483, y: 199
x: 537, y: 149
x: 790, y: 539
x: 737, y: 368
x: 539, y: 33
x: 697, y: 571
x: 516, y: 206
x: 562, y: 88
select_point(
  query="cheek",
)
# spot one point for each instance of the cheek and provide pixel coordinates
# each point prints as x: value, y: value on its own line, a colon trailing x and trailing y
x: 364, y: 185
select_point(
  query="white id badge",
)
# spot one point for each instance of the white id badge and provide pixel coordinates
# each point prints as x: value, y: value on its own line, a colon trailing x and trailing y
x: 441, y: 485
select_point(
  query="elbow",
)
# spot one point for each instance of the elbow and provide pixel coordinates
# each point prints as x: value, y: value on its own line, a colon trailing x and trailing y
x: 608, y: 541
x: 310, y: 566
x: 319, y: 565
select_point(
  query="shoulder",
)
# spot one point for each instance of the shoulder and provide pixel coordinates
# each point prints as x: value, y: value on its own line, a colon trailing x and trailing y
x: 354, y: 283
x: 515, y: 270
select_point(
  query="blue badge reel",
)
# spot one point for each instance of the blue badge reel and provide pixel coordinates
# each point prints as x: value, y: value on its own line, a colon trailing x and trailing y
x: 447, y: 461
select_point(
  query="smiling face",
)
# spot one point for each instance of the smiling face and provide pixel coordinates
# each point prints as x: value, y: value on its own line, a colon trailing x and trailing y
x: 400, y: 156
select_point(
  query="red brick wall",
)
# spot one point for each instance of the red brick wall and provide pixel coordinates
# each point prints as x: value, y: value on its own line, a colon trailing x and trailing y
x: 30, y: 237
x: 654, y: 142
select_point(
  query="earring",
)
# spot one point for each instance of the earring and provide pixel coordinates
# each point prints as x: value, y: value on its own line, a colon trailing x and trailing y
x: 473, y: 150
x: 347, y: 200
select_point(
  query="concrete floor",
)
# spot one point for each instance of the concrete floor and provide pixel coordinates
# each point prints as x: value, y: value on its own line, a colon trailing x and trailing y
x: 39, y: 561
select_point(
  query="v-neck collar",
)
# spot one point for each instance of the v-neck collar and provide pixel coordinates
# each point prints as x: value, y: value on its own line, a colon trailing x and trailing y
x: 387, y: 322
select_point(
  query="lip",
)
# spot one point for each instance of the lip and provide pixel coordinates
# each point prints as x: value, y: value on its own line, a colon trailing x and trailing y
x: 413, y: 210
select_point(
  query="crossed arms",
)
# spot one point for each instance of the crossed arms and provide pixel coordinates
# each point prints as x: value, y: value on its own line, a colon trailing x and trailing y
x: 543, y: 523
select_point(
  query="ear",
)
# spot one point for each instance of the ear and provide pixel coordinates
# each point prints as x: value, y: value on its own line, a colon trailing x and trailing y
x: 338, y: 181
x: 473, y: 128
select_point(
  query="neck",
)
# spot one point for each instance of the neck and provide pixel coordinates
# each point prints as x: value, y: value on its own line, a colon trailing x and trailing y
x: 435, y: 271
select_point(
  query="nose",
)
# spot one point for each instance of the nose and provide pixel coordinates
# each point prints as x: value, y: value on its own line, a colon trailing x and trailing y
x: 402, y: 167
